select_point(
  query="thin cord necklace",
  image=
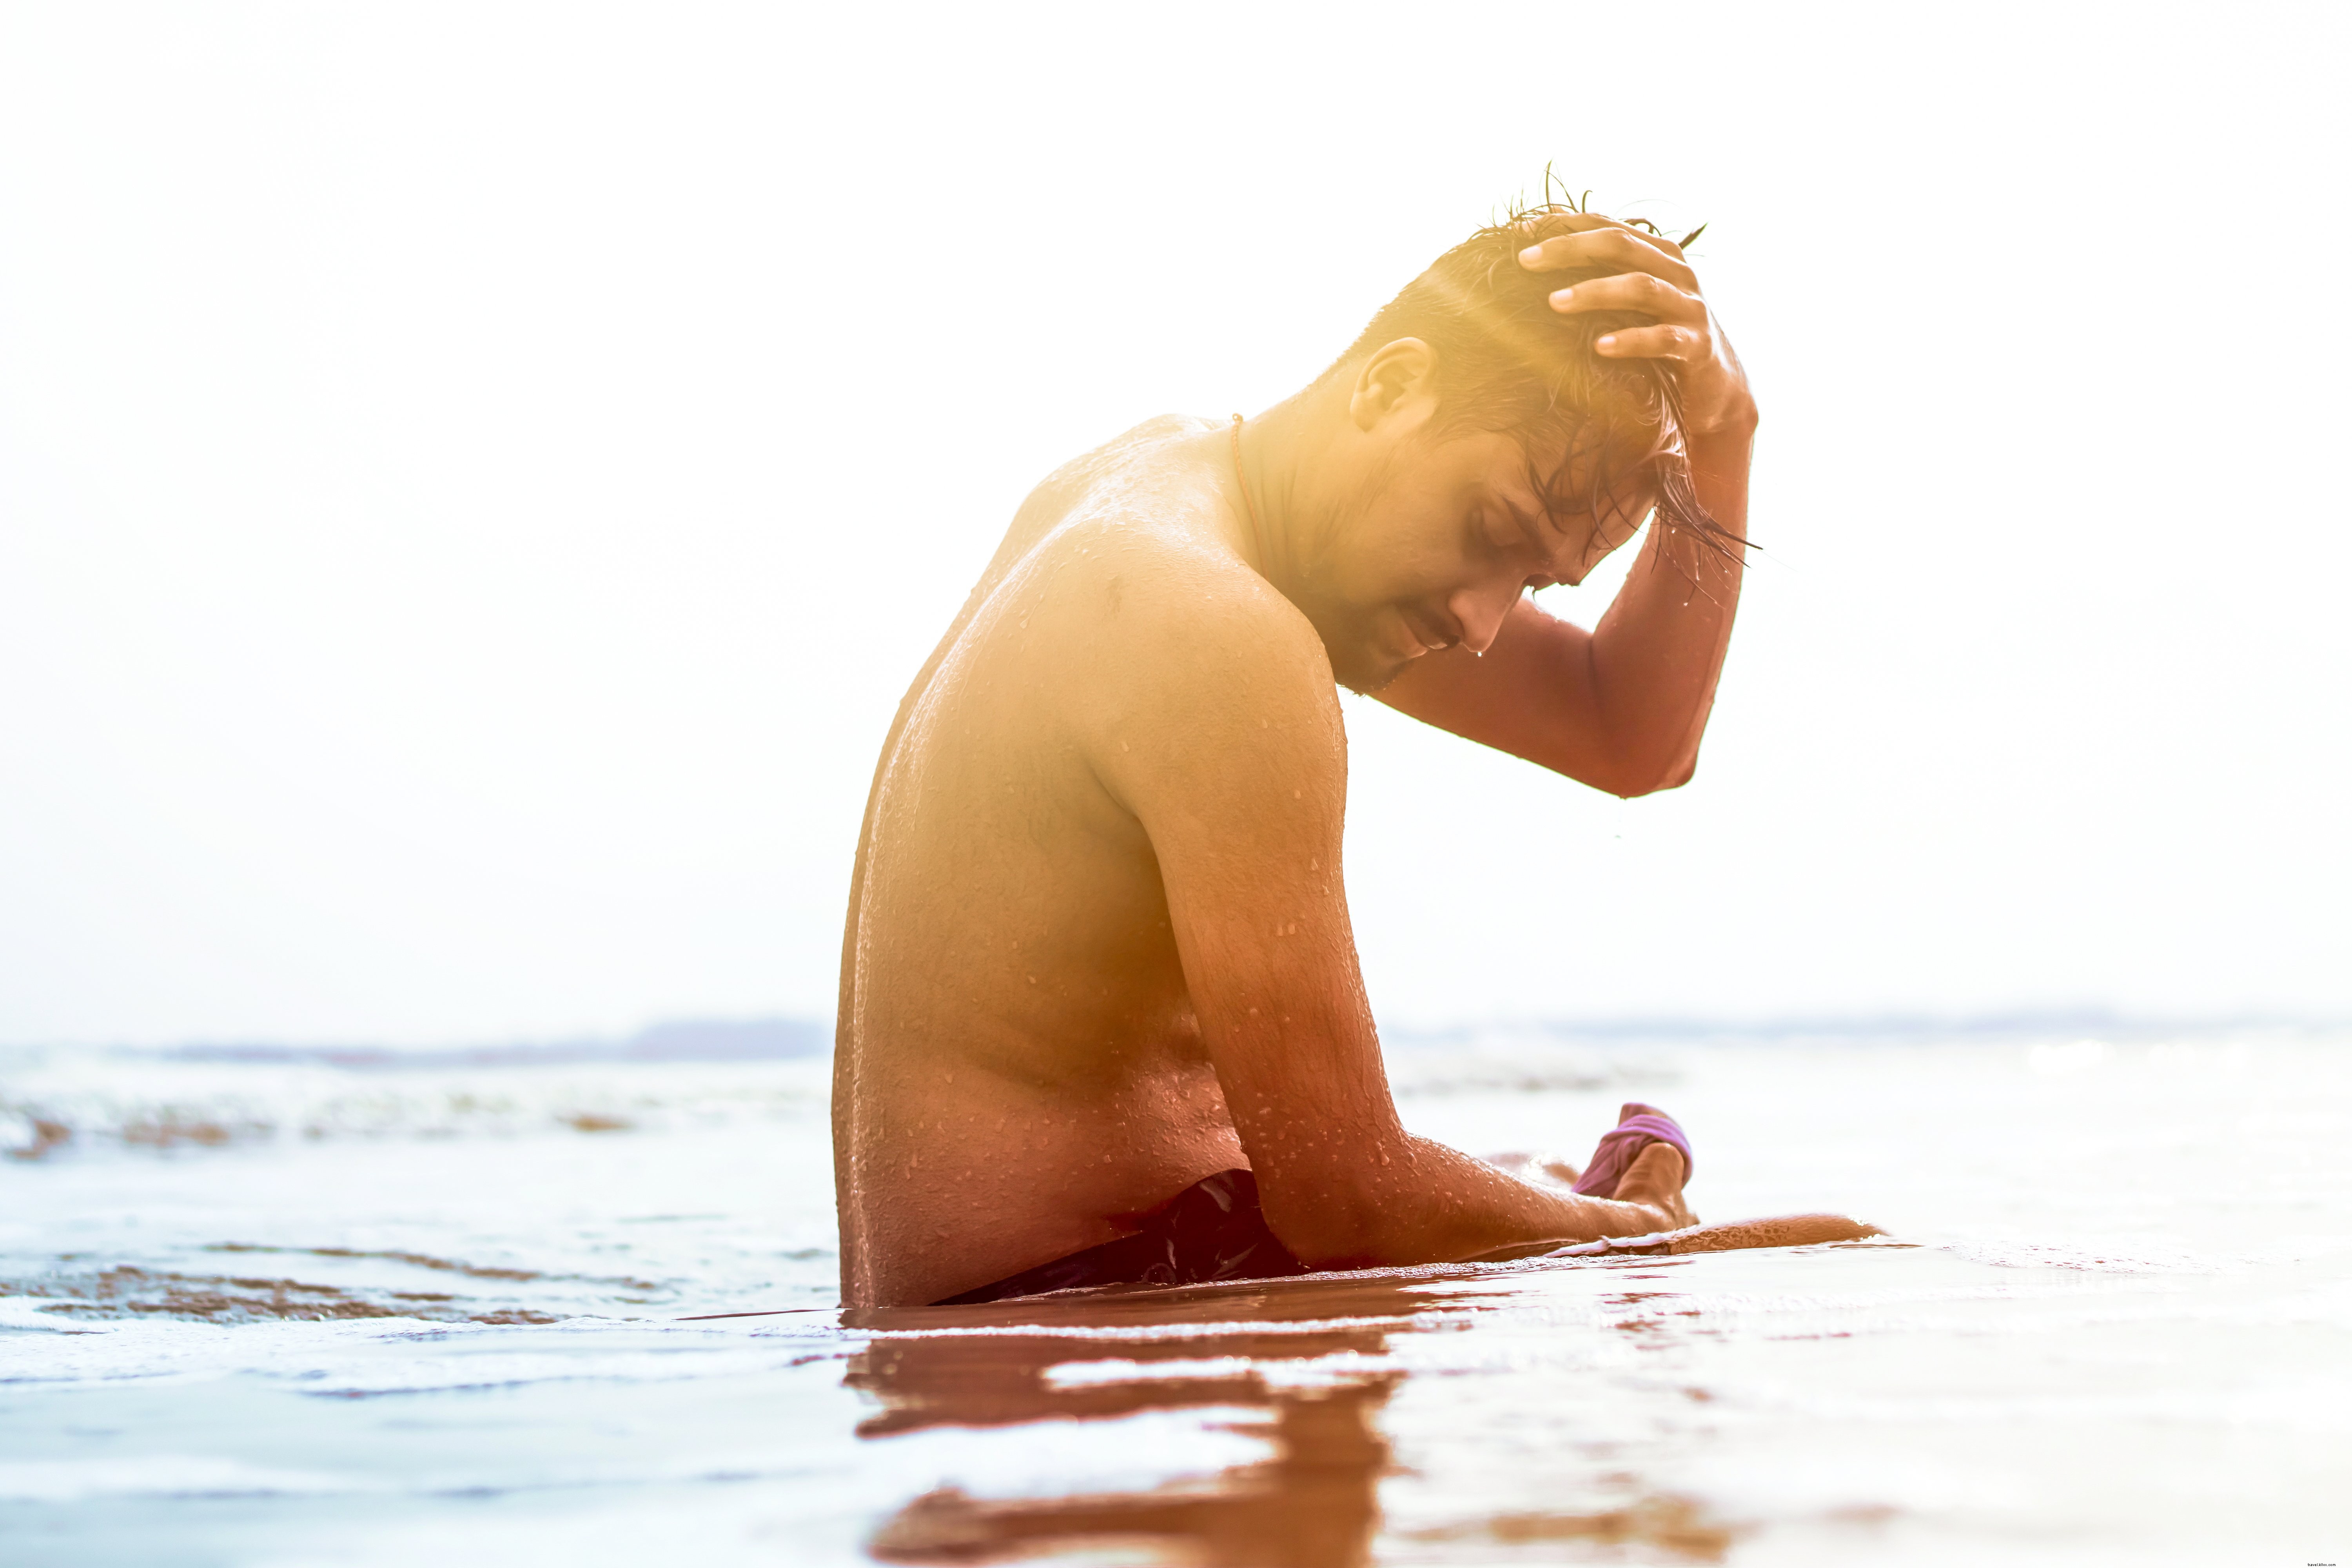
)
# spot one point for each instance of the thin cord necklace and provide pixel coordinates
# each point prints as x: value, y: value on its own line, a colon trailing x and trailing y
x: 1258, y: 534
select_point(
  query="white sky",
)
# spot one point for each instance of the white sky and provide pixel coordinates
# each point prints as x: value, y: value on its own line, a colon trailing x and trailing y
x: 473, y: 482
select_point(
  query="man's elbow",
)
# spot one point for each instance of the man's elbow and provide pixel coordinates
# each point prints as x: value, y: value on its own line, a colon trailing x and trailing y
x: 1634, y: 785
x: 1332, y: 1225
x: 1328, y: 1241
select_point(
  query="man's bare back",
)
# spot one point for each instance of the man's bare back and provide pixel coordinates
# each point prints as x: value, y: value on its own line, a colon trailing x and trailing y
x: 1099, y: 945
x: 1027, y: 1065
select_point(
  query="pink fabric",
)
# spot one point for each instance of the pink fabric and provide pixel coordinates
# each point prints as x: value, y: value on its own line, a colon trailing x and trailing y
x: 1638, y: 1127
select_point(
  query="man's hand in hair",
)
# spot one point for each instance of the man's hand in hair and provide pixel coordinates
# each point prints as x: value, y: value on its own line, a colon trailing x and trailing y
x: 1655, y: 281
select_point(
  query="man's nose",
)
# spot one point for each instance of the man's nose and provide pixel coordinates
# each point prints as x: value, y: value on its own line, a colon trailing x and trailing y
x: 1480, y: 612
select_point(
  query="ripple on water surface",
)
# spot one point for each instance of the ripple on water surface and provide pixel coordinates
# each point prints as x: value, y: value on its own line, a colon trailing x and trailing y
x: 453, y: 1341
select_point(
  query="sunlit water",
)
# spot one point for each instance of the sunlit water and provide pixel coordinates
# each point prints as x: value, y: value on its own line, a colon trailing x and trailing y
x: 290, y: 1315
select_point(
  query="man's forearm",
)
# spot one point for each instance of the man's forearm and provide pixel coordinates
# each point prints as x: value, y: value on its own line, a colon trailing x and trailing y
x: 1427, y: 1202
x: 1657, y: 653
x: 1474, y: 1207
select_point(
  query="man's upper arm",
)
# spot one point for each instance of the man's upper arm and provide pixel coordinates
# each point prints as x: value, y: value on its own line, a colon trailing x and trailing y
x: 1218, y: 726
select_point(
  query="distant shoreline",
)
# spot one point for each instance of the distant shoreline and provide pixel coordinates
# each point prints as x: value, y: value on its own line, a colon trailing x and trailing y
x: 794, y: 1038
x: 704, y: 1040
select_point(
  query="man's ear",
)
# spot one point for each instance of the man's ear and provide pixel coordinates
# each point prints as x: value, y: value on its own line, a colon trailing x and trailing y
x: 1396, y: 386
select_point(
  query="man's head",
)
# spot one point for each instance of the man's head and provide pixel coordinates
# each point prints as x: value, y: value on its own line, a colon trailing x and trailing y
x: 1471, y: 444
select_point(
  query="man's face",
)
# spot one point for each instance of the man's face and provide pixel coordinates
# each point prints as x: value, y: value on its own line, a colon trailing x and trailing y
x: 1428, y: 545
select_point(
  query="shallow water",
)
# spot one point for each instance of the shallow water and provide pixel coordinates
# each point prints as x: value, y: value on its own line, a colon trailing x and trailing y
x: 264, y: 1314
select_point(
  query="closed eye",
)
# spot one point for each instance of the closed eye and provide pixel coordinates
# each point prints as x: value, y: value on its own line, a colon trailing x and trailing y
x: 1490, y: 534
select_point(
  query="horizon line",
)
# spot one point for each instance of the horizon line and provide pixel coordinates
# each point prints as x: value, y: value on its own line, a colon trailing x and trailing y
x: 779, y: 1036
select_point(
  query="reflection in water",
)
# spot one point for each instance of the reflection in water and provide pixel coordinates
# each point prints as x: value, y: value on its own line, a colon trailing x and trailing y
x: 1303, y: 1357
x: 1667, y: 1529
x: 1312, y: 1505
x: 1307, y: 1360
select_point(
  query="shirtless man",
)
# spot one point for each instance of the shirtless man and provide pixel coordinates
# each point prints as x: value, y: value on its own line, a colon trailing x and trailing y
x: 1098, y: 989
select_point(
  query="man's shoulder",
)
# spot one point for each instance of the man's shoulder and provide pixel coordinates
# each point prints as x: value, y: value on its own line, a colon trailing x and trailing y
x: 1154, y: 593
x: 1138, y: 594
x: 1108, y: 470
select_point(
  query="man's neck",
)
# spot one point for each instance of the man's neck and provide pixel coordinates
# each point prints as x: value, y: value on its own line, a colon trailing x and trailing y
x: 1276, y: 449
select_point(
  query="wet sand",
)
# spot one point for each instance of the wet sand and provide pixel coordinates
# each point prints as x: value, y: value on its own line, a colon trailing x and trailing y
x: 2113, y: 1323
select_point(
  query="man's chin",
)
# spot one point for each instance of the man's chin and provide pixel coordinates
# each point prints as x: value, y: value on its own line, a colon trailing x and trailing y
x: 1360, y: 661
x: 1367, y: 674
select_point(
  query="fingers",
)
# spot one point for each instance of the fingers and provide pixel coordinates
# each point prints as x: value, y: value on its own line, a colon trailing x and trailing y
x: 1682, y: 329
x: 1638, y: 291
x: 1649, y: 277
x: 1580, y: 223
x: 1611, y: 245
x: 1653, y: 342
